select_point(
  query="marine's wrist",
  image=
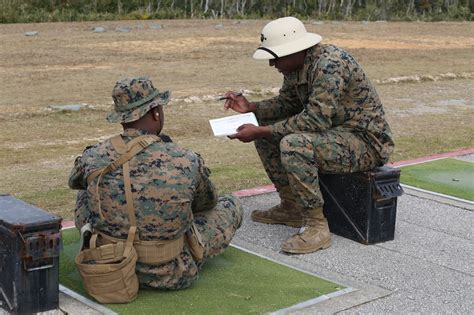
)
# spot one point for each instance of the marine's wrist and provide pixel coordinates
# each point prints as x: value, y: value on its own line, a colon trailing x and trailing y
x: 265, y: 132
x: 252, y: 107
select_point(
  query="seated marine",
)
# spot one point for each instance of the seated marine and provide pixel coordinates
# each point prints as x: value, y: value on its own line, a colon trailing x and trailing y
x: 169, y: 188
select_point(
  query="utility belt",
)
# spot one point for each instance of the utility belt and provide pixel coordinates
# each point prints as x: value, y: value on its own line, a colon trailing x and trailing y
x: 150, y: 252
x: 160, y: 251
x: 107, y: 266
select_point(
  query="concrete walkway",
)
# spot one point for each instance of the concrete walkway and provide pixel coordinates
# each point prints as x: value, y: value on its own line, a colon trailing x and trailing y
x: 428, y: 268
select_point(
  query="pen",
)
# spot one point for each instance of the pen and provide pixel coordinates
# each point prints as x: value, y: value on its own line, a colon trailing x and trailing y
x: 227, y: 98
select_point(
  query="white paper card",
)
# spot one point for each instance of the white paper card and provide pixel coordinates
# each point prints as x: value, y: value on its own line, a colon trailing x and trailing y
x: 225, y: 126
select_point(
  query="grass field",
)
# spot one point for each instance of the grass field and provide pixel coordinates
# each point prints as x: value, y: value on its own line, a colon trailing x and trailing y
x: 423, y: 72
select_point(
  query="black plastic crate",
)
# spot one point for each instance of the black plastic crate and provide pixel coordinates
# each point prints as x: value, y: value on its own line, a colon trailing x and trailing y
x: 30, y: 242
x: 362, y: 206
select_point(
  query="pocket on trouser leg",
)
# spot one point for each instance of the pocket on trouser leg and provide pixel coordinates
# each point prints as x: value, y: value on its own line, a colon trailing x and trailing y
x: 195, y: 244
x: 333, y: 158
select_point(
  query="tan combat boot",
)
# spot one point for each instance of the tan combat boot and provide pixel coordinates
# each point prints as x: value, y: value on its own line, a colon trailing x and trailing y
x: 312, y: 237
x: 288, y: 212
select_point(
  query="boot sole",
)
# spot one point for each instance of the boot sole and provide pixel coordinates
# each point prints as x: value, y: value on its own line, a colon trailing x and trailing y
x: 271, y: 221
x: 327, y: 244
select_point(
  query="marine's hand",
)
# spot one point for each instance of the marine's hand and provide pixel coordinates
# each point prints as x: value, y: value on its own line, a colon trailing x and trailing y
x: 249, y: 132
x: 237, y: 103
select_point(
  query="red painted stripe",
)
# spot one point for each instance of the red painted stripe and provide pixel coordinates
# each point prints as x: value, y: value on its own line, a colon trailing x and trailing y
x: 67, y: 224
x: 254, y: 191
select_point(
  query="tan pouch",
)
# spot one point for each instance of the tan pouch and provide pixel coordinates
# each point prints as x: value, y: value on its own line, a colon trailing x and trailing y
x: 108, y: 271
x: 193, y: 238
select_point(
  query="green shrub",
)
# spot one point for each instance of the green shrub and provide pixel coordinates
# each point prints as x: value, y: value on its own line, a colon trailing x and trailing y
x: 16, y: 11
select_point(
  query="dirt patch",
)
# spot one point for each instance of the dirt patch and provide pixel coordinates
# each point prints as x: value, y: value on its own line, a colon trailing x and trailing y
x: 423, y: 73
x: 68, y: 62
x: 420, y: 44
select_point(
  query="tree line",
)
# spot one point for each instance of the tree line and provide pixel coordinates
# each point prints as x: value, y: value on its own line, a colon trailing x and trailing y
x: 15, y: 11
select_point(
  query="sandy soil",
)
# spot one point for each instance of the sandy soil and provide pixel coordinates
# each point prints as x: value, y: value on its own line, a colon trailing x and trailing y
x: 424, y: 73
x: 69, y: 63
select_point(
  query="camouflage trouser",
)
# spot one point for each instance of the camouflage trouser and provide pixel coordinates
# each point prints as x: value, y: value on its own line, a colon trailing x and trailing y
x: 296, y: 159
x: 217, y: 226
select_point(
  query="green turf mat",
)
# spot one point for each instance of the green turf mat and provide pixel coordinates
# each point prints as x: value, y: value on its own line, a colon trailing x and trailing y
x: 235, y: 282
x: 447, y: 176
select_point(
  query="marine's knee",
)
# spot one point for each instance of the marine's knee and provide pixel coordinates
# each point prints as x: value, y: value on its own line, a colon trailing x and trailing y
x: 295, y: 147
x: 230, y: 201
x: 233, y: 206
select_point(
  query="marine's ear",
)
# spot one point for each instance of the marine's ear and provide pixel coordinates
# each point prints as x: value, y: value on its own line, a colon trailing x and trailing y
x: 155, y: 113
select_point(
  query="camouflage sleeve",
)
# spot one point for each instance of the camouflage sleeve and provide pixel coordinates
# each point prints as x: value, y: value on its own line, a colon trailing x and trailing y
x: 205, y: 197
x: 325, y: 93
x: 82, y: 213
x: 77, y: 178
x: 284, y: 105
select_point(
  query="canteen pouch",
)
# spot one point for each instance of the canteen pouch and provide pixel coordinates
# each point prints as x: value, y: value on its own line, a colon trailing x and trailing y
x: 193, y: 239
x: 108, y: 271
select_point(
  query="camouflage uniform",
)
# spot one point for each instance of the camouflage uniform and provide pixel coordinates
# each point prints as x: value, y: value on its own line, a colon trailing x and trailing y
x: 171, y: 189
x: 327, y: 117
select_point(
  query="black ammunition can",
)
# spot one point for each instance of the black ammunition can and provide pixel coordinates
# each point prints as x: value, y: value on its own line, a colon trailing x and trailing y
x: 362, y: 206
x: 30, y: 242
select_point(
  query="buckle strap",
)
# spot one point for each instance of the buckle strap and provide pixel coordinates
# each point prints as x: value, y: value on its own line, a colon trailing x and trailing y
x: 134, y: 147
x: 151, y: 252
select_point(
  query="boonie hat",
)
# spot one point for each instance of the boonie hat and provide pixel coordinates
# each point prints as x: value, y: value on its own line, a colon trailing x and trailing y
x: 283, y: 37
x: 133, y: 98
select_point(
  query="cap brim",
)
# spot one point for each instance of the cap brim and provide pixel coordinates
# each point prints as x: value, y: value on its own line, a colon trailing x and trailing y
x: 125, y: 117
x: 309, y: 40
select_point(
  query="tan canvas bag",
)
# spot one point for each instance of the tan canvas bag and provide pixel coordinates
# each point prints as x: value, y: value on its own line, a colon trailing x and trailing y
x: 108, y: 271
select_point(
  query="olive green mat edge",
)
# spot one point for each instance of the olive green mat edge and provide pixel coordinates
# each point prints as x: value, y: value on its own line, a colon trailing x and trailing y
x: 344, y: 289
x: 438, y: 188
x: 296, y: 307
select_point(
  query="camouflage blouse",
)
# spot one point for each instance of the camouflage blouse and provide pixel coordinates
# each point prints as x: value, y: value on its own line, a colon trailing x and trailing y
x: 168, y: 184
x: 331, y: 91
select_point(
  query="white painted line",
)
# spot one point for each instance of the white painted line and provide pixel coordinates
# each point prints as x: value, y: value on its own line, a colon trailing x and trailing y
x: 100, y: 308
x: 438, y: 194
x: 312, y: 302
